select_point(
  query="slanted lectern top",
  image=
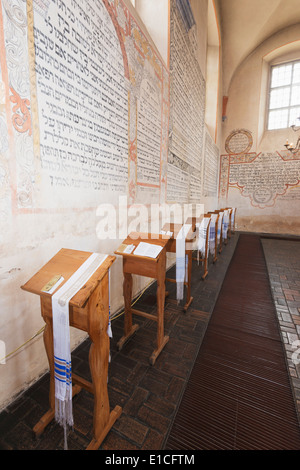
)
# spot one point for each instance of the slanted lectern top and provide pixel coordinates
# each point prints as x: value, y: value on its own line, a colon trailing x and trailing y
x: 88, y: 311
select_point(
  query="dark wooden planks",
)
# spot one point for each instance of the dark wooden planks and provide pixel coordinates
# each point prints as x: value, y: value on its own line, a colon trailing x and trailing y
x: 239, y: 395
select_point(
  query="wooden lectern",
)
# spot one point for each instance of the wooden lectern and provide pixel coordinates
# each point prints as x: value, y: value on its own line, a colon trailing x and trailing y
x: 232, y: 221
x: 229, y: 209
x: 220, y: 230
x: 149, y: 267
x: 205, y: 254
x: 218, y: 233
x: 224, y: 210
x: 171, y: 248
x: 88, y: 311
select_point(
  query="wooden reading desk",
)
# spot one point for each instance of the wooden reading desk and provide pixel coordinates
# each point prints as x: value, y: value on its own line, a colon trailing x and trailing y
x: 219, y: 232
x: 226, y: 215
x: 217, y: 224
x: 88, y: 311
x: 189, y: 241
x: 149, y: 267
x: 197, y: 221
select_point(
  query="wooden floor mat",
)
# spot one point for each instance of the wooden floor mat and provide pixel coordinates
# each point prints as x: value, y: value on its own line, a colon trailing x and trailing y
x: 238, y: 396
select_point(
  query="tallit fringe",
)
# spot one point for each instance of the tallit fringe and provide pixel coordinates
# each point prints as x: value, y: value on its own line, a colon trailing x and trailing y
x: 64, y: 416
x: 180, y: 287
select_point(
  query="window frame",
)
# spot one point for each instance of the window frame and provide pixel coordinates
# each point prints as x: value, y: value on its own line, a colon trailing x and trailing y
x: 290, y: 85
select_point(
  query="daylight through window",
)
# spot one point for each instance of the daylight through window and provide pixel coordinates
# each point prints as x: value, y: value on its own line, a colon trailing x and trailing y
x: 284, y: 100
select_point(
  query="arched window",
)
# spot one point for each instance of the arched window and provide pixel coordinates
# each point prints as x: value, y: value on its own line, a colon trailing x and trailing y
x: 284, y: 95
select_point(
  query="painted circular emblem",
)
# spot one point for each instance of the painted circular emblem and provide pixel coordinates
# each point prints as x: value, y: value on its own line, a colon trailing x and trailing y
x: 239, y: 141
x: 262, y: 195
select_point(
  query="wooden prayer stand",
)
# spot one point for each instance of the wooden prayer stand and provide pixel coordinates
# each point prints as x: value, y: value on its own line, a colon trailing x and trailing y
x: 204, y: 258
x: 229, y: 209
x: 219, y: 224
x: 171, y: 248
x: 233, y: 216
x: 88, y: 311
x: 216, y: 234
x: 149, y: 267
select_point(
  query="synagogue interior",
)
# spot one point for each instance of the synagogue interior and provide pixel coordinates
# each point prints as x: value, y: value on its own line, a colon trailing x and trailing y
x: 150, y: 226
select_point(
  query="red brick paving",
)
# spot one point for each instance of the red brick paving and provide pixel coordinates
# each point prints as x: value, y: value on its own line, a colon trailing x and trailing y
x: 149, y: 395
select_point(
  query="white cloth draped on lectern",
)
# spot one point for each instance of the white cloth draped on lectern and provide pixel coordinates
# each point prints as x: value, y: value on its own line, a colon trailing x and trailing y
x: 202, y: 233
x: 109, y: 330
x: 225, y: 224
x: 212, y: 233
x: 220, y: 223
x: 61, y: 337
x: 233, y: 219
x: 181, y: 260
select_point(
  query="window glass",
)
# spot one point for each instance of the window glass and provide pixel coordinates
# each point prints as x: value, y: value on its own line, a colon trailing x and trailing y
x: 296, y: 75
x: 294, y: 115
x: 295, y: 98
x: 284, y: 97
x: 278, y: 119
x: 281, y: 75
x: 279, y: 97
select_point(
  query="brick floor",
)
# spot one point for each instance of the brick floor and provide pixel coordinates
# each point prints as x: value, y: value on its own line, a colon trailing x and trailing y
x: 283, y: 263
x: 149, y: 395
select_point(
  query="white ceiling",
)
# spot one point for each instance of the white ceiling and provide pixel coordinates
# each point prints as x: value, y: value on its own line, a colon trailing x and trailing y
x: 245, y: 24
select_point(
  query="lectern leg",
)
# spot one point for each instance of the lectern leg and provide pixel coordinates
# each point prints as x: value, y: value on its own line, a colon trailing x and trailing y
x: 129, y: 329
x: 216, y: 250
x: 160, y: 295
x: 189, y: 298
x: 98, y: 360
x: 48, y: 342
x: 205, y: 273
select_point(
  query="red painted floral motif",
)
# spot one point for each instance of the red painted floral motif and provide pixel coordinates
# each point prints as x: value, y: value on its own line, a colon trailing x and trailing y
x: 21, y: 118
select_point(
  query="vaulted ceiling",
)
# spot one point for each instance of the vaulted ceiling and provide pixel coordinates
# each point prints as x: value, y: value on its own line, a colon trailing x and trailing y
x: 245, y: 24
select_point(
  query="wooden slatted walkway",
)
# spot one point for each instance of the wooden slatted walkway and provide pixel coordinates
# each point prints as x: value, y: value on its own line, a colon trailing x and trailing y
x: 239, y: 395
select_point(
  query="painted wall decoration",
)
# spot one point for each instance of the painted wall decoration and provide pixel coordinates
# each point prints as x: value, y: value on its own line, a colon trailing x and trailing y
x: 264, y: 178
x: 239, y: 141
x: 15, y: 117
x: 187, y: 95
x: 89, y: 104
x: 84, y: 119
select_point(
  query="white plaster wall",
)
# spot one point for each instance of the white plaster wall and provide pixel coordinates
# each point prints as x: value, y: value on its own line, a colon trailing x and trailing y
x: 155, y: 16
x: 212, y: 92
x: 32, y: 240
x: 200, y: 11
x: 29, y: 238
x: 246, y: 109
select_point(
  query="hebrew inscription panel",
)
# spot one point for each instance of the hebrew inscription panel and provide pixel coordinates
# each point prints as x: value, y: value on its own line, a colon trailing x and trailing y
x: 263, y: 178
x: 187, y: 92
x: 83, y: 98
x: 95, y: 113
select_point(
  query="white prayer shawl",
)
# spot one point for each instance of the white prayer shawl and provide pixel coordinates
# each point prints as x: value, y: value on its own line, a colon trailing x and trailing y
x: 202, y: 233
x: 181, y: 260
x: 109, y: 330
x: 233, y: 219
x: 225, y: 224
x: 220, y: 222
x: 61, y: 338
x: 212, y: 234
